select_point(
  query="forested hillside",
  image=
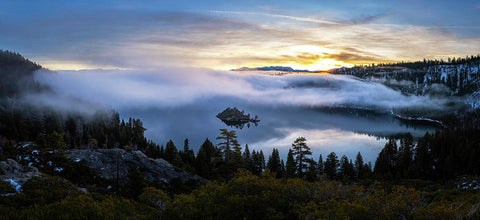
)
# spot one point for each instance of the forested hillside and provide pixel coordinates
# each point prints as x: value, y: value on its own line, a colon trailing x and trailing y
x: 461, y: 76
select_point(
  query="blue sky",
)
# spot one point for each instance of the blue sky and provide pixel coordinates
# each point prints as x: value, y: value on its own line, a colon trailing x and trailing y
x: 223, y: 35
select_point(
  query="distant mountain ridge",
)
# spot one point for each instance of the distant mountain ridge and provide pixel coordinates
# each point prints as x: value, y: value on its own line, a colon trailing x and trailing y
x: 275, y: 68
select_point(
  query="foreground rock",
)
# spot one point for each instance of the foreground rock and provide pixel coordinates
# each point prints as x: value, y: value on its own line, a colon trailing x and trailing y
x: 16, y: 174
x: 113, y: 163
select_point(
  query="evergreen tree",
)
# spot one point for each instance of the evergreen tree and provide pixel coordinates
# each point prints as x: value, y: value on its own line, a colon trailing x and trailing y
x: 258, y: 162
x: 229, y: 142
x: 136, y: 183
x: 172, y: 155
x: 423, y: 158
x: 231, y: 152
x: 247, y: 158
x: 274, y: 164
x: 290, y: 167
x: 237, y: 160
x: 405, y: 156
x: 312, y: 170
x: 153, y: 151
x: 331, y: 165
x: 55, y: 142
x: 346, y: 169
x: 321, y: 166
x: 188, y: 157
x: 360, y: 168
x: 162, y: 152
x: 281, y: 174
x: 300, y: 151
x: 205, y: 160
x: 386, y: 162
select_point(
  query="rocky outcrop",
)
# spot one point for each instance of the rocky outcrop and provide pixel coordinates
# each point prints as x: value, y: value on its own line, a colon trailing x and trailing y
x: 113, y: 163
x: 15, y: 173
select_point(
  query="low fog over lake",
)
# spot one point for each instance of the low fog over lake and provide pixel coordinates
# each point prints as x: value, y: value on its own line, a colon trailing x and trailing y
x: 335, y: 113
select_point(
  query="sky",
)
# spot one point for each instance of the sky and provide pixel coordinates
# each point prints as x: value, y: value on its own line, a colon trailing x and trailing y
x: 222, y: 35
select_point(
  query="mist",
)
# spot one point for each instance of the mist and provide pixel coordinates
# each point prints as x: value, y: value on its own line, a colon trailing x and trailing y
x: 180, y: 103
x: 174, y: 87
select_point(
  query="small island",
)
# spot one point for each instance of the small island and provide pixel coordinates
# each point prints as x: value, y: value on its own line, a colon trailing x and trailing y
x: 236, y: 118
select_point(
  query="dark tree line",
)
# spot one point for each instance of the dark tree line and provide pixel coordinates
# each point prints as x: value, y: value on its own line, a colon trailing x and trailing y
x: 441, y: 156
x: 218, y: 162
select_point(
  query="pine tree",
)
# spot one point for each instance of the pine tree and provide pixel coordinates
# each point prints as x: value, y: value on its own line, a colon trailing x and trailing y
x: 162, y: 152
x: 423, y: 158
x: 281, y: 174
x: 331, y: 165
x: 386, y: 162
x: 300, y: 151
x: 312, y: 170
x: 346, y: 169
x: 172, y: 155
x: 273, y: 163
x: 136, y: 183
x: 231, y: 152
x: 405, y: 156
x: 360, y: 170
x: 258, y: 162
x: 188, y: 157
x: 290, y: 167
x: 205, y: 160
x: 229, y: 142
x: 247, y: 158
x: 55, y: 142
x: 321, y: 167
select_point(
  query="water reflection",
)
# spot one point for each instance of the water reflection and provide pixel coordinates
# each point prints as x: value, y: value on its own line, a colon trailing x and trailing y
x: 326, y: 130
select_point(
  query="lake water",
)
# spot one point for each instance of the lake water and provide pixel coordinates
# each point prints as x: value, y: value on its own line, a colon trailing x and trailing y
x: 344, y: 133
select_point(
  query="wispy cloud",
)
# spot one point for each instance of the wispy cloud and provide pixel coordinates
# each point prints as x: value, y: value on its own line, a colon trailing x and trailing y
x: 295, y: 18
x: 152, y: 39
x: 351, y: 57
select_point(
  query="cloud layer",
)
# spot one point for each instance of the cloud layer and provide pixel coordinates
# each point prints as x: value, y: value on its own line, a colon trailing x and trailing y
x: 137, y: 37
x: 173, y: 87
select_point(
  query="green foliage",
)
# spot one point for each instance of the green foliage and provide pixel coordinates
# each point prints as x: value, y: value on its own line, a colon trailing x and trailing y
x: 248, y: 196
x: 154, y: 197
x: 136, y: 182
x: 47, y: 189
x: 55, y: 142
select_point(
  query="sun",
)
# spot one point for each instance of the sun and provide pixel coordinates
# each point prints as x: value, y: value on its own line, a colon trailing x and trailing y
x: 321, y: 65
